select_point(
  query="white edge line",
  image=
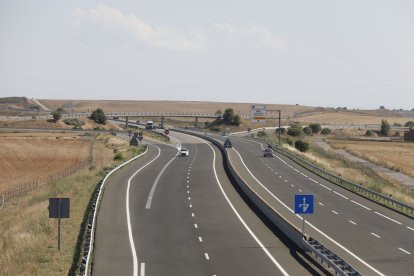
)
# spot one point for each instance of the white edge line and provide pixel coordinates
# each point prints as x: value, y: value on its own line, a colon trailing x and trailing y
x: 131, y: 238
x: 310, y: 224
x: 98, y: 203
x: 240, y: 218
x: 393, y: 220
x: 151, y: 194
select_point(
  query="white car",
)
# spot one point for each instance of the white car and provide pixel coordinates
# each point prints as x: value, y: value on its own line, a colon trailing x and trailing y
x: 184, y: 152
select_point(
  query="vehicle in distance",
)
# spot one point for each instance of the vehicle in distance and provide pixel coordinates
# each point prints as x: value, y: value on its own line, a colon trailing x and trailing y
x: 184, y: 152
x: 149, y: 125
x: 268, y: 152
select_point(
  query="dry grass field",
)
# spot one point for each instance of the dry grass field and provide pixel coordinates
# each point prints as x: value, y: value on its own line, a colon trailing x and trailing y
x: 394, y: 155
x: 349, y: 117
x: 26, y: 157
x: 28, y: 238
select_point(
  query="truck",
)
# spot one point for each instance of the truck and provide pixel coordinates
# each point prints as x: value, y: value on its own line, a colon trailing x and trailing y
x: 149, y: 125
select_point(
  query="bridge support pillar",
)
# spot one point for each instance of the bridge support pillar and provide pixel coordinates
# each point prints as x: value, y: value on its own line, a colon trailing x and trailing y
x: 196, y: 122
x: 162, y: 121
x: 126, y: 121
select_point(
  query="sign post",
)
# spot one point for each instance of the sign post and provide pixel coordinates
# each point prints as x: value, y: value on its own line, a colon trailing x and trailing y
x: 59, y: 208
x: 303, y: 205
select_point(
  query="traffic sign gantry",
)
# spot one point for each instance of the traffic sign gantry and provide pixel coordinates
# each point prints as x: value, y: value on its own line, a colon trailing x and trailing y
x: 303, y: 205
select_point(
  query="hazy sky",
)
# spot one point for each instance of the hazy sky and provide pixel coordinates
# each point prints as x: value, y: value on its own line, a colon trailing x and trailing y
x: 353, y: 53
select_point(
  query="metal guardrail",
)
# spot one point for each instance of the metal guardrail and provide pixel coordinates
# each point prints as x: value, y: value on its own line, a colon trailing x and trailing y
x: 340, y: 266
x: 384, y: 200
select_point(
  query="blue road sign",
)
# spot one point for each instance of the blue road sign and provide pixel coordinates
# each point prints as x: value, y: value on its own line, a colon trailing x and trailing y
x: 303, y: 204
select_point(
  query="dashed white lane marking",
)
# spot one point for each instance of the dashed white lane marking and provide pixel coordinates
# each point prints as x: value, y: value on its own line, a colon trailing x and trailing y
x: 191, y: 206
x: 188, y: 186
x: 292, y: 185
x: 405, y: 251
x: 393, y: 220
x: 286, y: 180
x: 142, y: 272
x: 335, y: 212
x: 375, y: 235
x: 280, y: 176
x: 410, y: 228
x: 359, y: 204
x: 188, y: 192
x: 192, y: 214
x: 188, y: 177
x: 312, y: 180
x: 195, y: 225
x: 325, y: 187
x: 189, y: 198
x: 300, y: 191
x: 200, y: 239
x: 207, y: 257
x: 188, y: 181
x: 352, y: 222
x: 304, y: 175
x: 320, y: 203
x: 276, y: 173
x: 340, y: 194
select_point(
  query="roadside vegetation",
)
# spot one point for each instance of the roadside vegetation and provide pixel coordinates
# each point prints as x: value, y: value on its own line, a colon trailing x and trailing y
x: 28, y: 238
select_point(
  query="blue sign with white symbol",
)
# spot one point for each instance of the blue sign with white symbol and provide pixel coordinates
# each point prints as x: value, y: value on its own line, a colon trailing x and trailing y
x: 303, y: 204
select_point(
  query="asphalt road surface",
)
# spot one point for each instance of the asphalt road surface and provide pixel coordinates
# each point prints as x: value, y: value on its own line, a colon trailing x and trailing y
x: 169, y: 215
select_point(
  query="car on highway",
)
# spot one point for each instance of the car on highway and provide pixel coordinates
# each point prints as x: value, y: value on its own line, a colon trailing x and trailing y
x: 268, y: 152
x: 184, y: 152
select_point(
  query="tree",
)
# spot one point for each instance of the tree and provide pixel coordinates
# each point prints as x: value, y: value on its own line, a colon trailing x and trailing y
x: 301, y: 145
x: 282, y: 130
x: 98, y: 116
x: 236, y: 120
x: 409, y: 124
x: 307, y: 130
x: 218, y: 112
x: 385, y: 127
x: 293, y: 131
x: 228, y: 114
x: 316, y: 128
x: 56, y: 116
x: 60, y: 110
x: 326, y: 131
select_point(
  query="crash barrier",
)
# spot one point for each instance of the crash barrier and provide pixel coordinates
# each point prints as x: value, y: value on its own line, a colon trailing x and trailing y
x: 307, y: 243
x: 85, y: 267
x: 374, y: 196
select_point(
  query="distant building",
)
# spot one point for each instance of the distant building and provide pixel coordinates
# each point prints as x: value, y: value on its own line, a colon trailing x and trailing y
x: 409, y: 136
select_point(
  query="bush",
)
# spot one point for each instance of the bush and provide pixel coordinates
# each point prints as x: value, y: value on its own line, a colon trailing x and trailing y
x: 236, y: 120
x: 293, y: 131
x: 118, y: 156
x: 282, y: 130
x: 296, y: 125
x: 385, y: 128
x: 326, y: 131
x: 98, y: 116
x: 369, y: 133
x: 60, y: 110
x: 301, y: 145
x: 262, y: 134
x: 56, y: 116
x: 409, y: 124
x: 74, y: 122
x: 307, y: 130
x: 316, y: 128
x: 289, y: 141
x: 214, y: 128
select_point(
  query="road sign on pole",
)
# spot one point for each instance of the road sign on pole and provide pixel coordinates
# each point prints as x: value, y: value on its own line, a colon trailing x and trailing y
x: 258, y: 113
x: 59, y: 208
x: 303, y: 205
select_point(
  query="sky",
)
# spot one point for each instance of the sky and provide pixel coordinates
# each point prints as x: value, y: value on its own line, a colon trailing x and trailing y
x: 329, y: 53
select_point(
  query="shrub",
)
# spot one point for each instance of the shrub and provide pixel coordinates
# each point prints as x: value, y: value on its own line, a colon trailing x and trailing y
x: 56, y: 116
x: 326, y: 131
x: 301, y: 145
x: 385, y: 128
x: 262, y: 134
x: 409, y: 124
x: 293, y: 131
x: 236, y: 120
x: 214, y: 128
x: 60, y: 110
x: 369, y: 133
x: 98, y: 116
x: 289, y: 141
x: 316, y: 128
x: 118, y: 156
x: 307, y: 130
x: 74, y: 122
x: 282, y: 130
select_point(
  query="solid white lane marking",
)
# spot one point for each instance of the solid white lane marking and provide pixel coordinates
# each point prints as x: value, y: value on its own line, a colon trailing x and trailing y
x: 375, y: 235
x: 325, y: 187
x: 142, y: 272
x: 320, y: 203
x: 405, y: 251
x: 200, y: 239
x: 131, y: 238
x: 352, y: 222
x: 335, y: 212
x: 240, y: 218
x: 195, y: 225
x: 207, y: 257
x: 393, y: 220
x: 340, y: 194
x: 312, y: 180
x: 363, y: 206
x: 410, y: 228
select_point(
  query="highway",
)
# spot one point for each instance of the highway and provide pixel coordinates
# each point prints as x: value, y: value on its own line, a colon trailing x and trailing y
x: 169, y: 215
x: 372, y: 238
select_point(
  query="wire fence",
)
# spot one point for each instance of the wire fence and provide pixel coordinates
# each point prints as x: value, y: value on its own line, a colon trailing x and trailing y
x: 13, y: 195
